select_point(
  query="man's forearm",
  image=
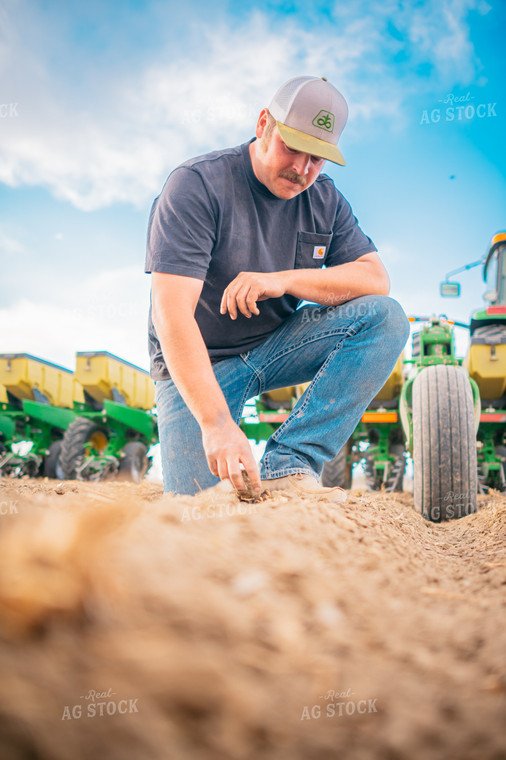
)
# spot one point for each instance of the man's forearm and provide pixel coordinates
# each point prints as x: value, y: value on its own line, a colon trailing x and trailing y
x: 335, y: 285
x: 188, y: 362
x: 226, y: 447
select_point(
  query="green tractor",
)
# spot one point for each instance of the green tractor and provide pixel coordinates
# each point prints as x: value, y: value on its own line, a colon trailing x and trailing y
x: 450, y: 412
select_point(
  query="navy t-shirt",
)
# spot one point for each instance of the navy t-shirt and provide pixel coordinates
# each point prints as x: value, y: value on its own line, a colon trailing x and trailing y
x: 214, y: 219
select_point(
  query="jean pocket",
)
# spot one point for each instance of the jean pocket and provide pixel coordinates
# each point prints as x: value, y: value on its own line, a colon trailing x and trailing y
x: 312, y: 249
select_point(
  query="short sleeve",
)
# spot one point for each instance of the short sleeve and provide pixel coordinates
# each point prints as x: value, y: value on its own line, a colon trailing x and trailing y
x: 348, y: 240
x: 182, y: 227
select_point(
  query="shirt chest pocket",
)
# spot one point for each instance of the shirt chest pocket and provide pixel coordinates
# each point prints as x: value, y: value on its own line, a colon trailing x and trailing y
x: 312, y: 249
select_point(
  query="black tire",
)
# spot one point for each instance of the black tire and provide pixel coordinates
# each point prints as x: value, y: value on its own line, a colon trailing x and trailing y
x: 52, y: 467
x: 338, y: 472
x: 79, y: 433
x: 444, y: 444
x: 134, y: 462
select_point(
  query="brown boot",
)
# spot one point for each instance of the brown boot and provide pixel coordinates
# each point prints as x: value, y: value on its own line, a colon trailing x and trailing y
x: 305, y: 484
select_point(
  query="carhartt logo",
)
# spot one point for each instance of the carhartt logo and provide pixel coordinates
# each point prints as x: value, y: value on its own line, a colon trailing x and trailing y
x: 324, y: 120
x: 319, y: 252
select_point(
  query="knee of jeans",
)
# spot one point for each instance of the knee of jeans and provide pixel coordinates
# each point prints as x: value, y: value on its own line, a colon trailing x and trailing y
x: 390, y: 313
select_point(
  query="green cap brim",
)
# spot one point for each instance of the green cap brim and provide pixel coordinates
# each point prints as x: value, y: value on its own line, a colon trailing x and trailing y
x: 305, y: 143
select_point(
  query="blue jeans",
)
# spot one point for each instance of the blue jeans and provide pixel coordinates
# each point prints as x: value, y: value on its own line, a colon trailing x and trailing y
x: 346, y: 351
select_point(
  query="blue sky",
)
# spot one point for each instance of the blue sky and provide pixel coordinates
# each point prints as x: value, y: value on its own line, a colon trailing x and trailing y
x: 100, y: 100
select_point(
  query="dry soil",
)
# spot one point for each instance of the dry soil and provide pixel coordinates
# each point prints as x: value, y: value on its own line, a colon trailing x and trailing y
x: 210, y: 629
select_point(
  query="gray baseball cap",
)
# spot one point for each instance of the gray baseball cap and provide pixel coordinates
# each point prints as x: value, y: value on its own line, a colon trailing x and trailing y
x: 310, y: 115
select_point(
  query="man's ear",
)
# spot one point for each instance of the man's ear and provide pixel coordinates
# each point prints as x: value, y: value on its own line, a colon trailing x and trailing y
x: 261, y: 123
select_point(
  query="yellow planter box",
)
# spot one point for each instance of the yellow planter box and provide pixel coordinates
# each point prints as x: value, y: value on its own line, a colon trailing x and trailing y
x: 486, y: 364
x: 105, y: 376
x: 23, y: 375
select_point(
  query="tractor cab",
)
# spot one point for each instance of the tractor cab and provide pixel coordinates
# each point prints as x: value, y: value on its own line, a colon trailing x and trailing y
x: 494, y: 271
x: 494, y: 275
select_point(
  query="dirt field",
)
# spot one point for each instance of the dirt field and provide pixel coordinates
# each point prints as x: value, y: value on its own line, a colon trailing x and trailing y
x: 135, y: 626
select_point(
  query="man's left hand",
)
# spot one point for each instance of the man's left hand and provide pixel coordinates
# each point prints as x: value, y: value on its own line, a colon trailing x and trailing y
x: 249, y: 287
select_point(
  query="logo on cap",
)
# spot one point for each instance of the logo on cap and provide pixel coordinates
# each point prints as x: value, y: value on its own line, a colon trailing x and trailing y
x: 324, y: 120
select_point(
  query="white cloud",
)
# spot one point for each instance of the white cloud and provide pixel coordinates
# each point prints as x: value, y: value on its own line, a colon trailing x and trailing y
x: 94, y: 143
x: 107, y: 312
x: 10, y: 246
x: 441, y: 33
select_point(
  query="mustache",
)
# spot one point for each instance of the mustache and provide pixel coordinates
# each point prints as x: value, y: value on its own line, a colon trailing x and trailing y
x: 293, y: 177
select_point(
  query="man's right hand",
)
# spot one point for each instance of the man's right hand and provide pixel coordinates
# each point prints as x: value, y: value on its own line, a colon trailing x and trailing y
x: 227, y: 448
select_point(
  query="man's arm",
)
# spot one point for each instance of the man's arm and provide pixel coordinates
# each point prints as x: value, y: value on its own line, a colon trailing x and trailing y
x: 174, y: 300
x: 334, y: 285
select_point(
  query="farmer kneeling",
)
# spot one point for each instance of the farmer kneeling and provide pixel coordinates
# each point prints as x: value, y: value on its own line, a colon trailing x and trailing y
x: 237, y: 239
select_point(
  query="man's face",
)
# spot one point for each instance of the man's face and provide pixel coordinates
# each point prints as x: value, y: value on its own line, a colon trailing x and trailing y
x: 285, y: 172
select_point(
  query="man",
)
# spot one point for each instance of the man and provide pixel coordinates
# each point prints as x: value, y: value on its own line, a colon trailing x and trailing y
x: 236, y: 240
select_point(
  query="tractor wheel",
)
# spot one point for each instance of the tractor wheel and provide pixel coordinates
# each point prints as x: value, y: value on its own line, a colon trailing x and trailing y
x: 338, y: 472
x: 134, y: 462
x: 444, y: 444
x: 52, y: 467
x: 73, y: 450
